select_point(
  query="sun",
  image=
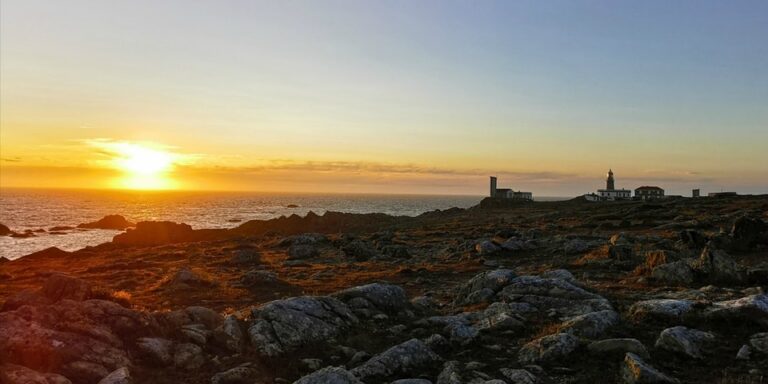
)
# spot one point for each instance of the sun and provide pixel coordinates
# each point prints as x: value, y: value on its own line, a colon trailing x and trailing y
x: 145, y: 166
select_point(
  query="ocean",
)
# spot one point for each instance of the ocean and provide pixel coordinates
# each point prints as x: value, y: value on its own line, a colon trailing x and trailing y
x: 34, y: 209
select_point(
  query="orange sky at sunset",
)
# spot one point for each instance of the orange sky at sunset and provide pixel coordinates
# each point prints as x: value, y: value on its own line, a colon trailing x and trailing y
x: 340, y: 97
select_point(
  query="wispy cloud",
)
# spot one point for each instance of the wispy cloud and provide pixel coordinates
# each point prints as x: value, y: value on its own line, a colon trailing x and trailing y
x: 11, y: 159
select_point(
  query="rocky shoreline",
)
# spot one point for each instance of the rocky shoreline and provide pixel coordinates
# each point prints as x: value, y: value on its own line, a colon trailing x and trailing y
x: 563, y: 292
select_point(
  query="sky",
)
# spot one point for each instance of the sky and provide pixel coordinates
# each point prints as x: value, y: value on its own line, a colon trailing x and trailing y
x: 384, y: 96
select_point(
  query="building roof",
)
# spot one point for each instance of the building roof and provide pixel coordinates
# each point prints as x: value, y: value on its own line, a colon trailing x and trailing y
x: 649, y: 187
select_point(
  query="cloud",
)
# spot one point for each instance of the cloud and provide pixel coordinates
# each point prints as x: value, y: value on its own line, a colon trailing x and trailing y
x: 11, y: 159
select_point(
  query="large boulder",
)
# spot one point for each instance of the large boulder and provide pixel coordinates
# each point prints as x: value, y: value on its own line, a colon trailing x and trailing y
x: 548, y: 348
x: 116, y: 222
x: 555, y: 294
x: 636, y: 371
x: 718, y: 267
x: 329, y: 375
x: 412, y: 357
x: 383, y: 297
x: 283, y: 326
x: 4, y: 230
x: 752, y: 308
x: 686, y: 341
x: 677, y: 273
x: 118, y: 376
x: 660, y: 309
x: 591, y: 325
x: 618, y: 347
x: 59, y: 286
x: 482, y: 287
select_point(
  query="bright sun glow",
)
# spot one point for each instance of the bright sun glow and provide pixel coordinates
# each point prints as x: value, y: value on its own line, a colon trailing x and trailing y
x: 145, y: 167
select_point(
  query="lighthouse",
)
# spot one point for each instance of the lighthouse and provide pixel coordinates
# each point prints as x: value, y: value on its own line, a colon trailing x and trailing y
x: 609, y: 181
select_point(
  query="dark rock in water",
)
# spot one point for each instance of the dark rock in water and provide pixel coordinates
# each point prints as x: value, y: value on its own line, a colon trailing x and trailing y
x: 748, y: 232
x: 108, y: 222
x: 23, y: 235
x: 4, y: 231
x: 291, y: 206
x: 156, y: 232
x: 51, y: 252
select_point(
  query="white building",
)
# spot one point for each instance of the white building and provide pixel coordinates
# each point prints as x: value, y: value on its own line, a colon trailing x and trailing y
x: 610, y: 192
x: 507, y: 193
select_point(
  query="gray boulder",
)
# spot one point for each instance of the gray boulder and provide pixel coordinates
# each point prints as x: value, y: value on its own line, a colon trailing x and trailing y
x: 118, y: 376
x: 759, y: 342
x: 408, y: 358
x: 17, y: 374
x: 548, y: 348
x: 677, y: 272
x: 384, y: 297
x: 636, y: 371
x: 285, y: 325
x: 718, y: 267
x: 662, y: 309
x: 486, y: 248
x: 242, y: 374
x: 157, y: 350
x: 483, y: 286
x: 329, y: 375
x: 591, y: 325
x: 519, y: 376
x: 188, y: 356
x: 687, y: 341
x: 558, y: 295
x: 752, y: 308
x: 450, y: 374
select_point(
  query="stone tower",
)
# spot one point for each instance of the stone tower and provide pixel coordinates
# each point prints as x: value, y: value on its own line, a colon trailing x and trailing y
x: 493, y: 186
x: 609, y: 182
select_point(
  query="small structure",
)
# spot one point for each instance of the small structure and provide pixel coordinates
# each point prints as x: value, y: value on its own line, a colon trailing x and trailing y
x: 696, y: 193
x: 610, y: 192
x: 508, y: 193
x: 648, y: 192
x: 722, y: 194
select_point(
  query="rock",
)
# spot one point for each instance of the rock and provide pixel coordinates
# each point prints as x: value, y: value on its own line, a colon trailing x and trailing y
x: 519, y: 376
x: 759, y: 342
x: 663, y: 309
x: 4, y: 230
x: 155, y: 233
x: 242, y: 374
x: 59, y: 286
x: 329, y: 375
x: 591, y: 325
x: 25, y: 297
x: 753, y: 308
x: 284, y: 325
x: 187, y: 278
x: 302, y: 251
x: 411, y: 381
x: 678, y: 272
x: 618, y: 346
x: 744, y: 353
x: 397, y: 251
x: 407, y: 358
x: 486, y: 248
x: 158, y: 351
x: 384, y: 297
x: 203, y: 315
x: 118, y: 376
x: 575, y: 246
x: 719, y: 267
x: 108, y: 222
x: 359, y: 250
x: 501, y: 317
x: 484, y: 286
x: 188, y: 356
x: 84, y: 371
x: 230, y: 334
x: 312, y: 364
x: 692, y: 239
x: 558, y: 295
x: 635, y: 370
x: 246, y: 256
x: 450, y: 374
x: 304, y: 239
x: 561, y: 274
x: 687, y: 341
x: 747, y: 232
x: 17, y: 374
x: 255, y: 277
x: 547, y: 348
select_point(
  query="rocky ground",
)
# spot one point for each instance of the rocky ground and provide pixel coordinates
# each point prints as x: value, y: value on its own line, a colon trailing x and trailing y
x: 565, y: 292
